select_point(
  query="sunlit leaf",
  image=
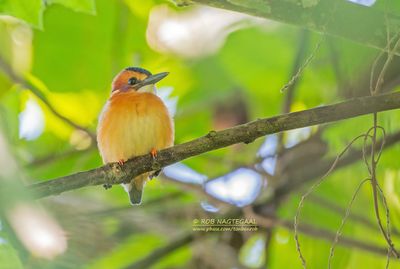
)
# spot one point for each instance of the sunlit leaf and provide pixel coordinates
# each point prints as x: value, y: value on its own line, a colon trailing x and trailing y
x: 8, y: 257
x: 29, y: 11
x: 128, y: 251
x: 88, y: 6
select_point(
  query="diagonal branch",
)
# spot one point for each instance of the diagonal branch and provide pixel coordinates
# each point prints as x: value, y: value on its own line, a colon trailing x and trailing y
x: 337, y: 209
x: 309, y: 173
x: 161, y: 252
x: 26, y: 84
x: 246, y: 133
x: 368, y: 24
x: 56, y: 156
x: 316, y: 232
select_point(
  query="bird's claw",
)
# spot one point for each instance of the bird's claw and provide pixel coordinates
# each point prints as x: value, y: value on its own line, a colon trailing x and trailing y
x: 155, y: 174
x: 107, y: 186
x: 121, y: 162
x: 153, y: 153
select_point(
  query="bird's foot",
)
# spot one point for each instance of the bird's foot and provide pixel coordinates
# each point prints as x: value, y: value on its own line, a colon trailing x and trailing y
x: 121, y: 162
x: 107, y: 186
x: 153, y: 153
x: 155, y: 166
x: 155, y: 174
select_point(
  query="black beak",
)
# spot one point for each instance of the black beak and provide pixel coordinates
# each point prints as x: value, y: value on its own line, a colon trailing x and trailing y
x: 152, y: 79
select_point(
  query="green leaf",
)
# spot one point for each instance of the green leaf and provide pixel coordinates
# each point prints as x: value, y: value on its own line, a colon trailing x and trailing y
x: 77, y: 47
x: 8, y: 257
x: 176, y: 259
x: 30, y: 11
x: 86, y: 6
x: 128, y: 251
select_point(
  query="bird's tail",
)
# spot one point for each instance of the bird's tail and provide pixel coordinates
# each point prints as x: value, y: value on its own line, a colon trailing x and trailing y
x: 135, y: 189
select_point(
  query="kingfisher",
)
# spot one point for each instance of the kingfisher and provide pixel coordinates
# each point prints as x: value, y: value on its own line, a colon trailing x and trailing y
x: 134, y: 121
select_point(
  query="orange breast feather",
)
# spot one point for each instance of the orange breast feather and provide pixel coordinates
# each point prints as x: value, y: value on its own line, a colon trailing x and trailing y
x: 132, y: 124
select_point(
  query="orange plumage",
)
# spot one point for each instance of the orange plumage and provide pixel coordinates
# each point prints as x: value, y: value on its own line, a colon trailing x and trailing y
x: 134, y: 121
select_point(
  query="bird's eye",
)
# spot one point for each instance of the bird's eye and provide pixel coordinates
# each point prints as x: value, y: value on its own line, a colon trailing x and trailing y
x: 132, y: 81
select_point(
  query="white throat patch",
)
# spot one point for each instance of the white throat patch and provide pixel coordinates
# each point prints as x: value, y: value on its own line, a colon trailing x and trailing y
x: 148, y: 88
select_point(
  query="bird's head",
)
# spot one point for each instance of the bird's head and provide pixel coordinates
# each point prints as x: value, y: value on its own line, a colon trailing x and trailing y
x: 136, y: 79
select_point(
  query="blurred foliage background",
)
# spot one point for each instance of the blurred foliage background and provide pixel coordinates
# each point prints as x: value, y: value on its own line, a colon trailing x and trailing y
x: 226, y: 68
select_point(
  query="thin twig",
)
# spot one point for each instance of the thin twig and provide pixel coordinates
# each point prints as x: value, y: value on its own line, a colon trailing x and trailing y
x: 375, y: 64
x: 314, y: 51
x: 355, y: 217
x: 387, y: 213
x: 309, y: 191
x: 300, y: 54
x: 389, y: 59
x: 344, y: 219
x: 374, y: 90
x: 298, y: 59
x: 304, y: 65
x: 312, y: 172
x: 307, y: 229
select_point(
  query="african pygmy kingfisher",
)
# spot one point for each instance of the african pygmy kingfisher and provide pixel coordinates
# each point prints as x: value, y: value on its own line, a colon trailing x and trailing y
x: 133, y: 122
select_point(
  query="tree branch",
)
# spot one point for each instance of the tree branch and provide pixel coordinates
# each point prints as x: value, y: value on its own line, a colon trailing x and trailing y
x: 26, y: 84
x: 309, y: 173
x: 246, y: 133
x: 335, y: 208
x: 316, y: 232
x: 56, y: 156
x: 325, y: 16
x: 161, y: 252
